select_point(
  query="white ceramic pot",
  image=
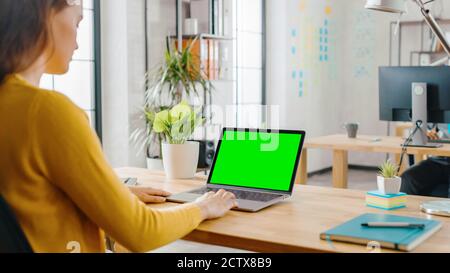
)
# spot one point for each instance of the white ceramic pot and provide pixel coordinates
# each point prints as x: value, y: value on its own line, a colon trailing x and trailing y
x: 180, y: 160
x: 389, y: 185
x: 155, y: 164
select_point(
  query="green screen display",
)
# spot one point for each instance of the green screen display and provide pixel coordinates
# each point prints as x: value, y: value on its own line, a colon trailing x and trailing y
x: 256, y: 159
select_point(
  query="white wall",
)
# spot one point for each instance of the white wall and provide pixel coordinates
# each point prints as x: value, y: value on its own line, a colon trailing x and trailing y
x: 345, y: 88
x: 366, y: 46
x: 317, y: 109
x: 162, y: 22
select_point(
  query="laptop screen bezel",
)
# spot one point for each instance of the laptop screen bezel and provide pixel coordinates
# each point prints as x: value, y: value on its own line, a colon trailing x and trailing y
x: 297, y: 159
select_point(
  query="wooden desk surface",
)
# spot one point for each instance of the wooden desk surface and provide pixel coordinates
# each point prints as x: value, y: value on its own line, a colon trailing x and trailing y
x: 364, y: 143
x: 293, y: 225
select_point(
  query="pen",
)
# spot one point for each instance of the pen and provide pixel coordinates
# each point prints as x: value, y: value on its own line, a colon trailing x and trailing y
x: 392, y: 225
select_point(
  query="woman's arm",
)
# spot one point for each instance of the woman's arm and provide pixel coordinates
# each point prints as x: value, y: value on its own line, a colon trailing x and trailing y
x: 70, y: 155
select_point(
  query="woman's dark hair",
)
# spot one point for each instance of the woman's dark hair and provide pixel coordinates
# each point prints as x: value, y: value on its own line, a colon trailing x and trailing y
x: 24, y: 32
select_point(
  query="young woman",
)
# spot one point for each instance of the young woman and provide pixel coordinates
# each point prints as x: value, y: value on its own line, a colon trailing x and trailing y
x: 53, y: 173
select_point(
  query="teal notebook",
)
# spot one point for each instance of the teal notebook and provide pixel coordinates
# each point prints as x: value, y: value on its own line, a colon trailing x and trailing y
x: 404, y: 239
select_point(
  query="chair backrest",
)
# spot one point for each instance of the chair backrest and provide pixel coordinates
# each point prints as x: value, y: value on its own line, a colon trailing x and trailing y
x: 448, y: 187
x: 12, y: 238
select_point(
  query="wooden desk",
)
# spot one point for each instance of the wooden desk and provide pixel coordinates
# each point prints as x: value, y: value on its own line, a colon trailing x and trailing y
x: 341, y: 145
x: 400, y: 128
x: 293, y: 225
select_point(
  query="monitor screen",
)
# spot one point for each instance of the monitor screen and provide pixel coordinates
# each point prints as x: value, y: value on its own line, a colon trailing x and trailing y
x: 253, y: 159
x: 395, y: 90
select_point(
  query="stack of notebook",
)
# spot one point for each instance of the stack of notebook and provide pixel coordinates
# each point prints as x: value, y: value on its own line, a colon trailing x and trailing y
x: 378, y: 200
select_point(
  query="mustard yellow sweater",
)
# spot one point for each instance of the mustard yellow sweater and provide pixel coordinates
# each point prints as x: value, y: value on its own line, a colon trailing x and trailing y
x: 62, y: 190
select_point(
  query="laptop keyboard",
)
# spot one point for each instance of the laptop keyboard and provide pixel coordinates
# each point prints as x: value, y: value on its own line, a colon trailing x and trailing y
x: 243, y: 195
x: 442, y: 140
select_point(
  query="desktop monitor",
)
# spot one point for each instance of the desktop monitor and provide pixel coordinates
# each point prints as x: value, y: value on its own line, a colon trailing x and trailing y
x: 395, y: 84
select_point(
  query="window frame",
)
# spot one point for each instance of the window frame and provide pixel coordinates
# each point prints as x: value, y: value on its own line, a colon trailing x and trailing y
x: 97, y: 70
x: 263, y: 61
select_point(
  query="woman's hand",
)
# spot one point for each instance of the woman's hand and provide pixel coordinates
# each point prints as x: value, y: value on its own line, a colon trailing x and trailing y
x: 150, y: 195
x: 215, y: 205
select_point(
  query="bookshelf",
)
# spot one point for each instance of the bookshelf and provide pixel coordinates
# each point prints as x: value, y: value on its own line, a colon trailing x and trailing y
x: 210, y: 13
x: 423, y: 58
x: 215, y: 41
x: 398, y: 51
x: 211, y: 53
x: 205, y: 36
x: 213, y: 49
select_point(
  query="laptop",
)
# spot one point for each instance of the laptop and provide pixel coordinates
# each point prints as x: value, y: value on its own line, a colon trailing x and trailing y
x: 443, y: 134
x: 258, y: 166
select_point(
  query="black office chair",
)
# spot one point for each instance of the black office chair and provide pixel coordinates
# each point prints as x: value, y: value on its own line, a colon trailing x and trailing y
x: 442, y: 191
x: 12, y: 238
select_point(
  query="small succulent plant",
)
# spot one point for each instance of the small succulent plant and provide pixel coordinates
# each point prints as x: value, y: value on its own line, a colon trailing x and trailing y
x: 388, y: 169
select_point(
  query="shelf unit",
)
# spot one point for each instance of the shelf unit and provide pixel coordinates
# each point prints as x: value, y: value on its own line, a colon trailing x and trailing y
x: 216, y: 22
x: 182, y: 12
x: 424, y: 30
x: 204, y: 36
x: 224, y: 66
x: 434, y: 56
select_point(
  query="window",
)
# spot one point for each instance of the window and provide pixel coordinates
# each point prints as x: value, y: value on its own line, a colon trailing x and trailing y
x: 249, y: 48
x: 81, y: 82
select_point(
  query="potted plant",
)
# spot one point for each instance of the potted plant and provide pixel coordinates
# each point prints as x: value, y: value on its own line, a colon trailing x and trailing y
x: 388, y: 182
x: 180, y: 156
x: 179, y: 77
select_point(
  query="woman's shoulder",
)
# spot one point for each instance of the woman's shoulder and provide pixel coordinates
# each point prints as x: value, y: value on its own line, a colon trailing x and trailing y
x: 37, y: 99
x: 56, y: 112
x: 55, y: 98
x: 55, y: 105
x: 40, y: 95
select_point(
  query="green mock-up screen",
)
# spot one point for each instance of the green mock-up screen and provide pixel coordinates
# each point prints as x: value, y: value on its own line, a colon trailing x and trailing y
x: 256, y: 159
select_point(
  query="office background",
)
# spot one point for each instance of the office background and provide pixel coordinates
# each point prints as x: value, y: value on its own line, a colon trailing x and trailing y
x: 343, y: 88
x: 316, y: 59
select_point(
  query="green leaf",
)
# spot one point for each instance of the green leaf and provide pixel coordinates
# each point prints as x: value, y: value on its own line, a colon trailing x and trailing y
x: 162, y: 119
x: 180, y: 111
x: 150, y: 116
x: 388, y: 170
